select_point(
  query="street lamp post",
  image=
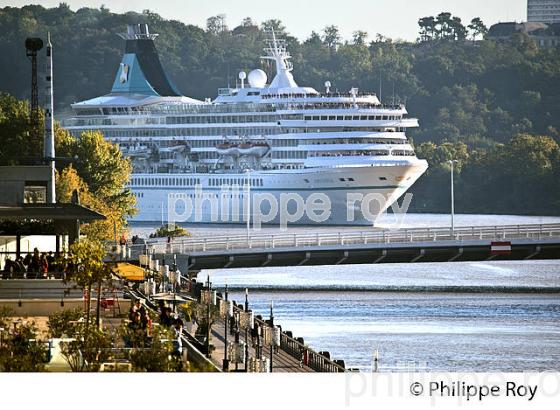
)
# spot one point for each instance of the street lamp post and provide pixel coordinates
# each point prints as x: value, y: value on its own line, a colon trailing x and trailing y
x: 209, y: 300
x: 452, y: 163
x: 246, y: 330
x: 236, y: 318
x: 225, y: 365
x: 271, y: 346
x: 248, y: 185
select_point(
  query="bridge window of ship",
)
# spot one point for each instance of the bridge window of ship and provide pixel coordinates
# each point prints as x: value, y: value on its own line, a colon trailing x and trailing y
x: 383, y: 178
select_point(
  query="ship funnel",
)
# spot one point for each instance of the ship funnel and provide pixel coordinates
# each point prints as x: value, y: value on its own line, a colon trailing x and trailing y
x: 141, y: 71
x: 137, y: 30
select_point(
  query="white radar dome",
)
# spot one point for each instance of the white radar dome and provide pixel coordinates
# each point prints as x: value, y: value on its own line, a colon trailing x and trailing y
x: 257, y: 78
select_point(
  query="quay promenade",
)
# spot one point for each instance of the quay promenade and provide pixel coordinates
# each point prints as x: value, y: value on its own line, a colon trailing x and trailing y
x: 282, y: 361
x: 289, y: 354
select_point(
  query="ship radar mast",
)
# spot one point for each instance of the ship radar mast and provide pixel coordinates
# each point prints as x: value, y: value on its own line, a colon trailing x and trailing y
x: 277, y: 52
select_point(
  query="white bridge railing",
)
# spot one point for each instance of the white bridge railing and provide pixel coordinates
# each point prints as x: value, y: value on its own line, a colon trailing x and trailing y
x: 259, y: 241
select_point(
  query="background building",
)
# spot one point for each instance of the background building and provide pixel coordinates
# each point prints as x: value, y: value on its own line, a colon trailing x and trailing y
x: 543, y: 11
x: 546, y: 35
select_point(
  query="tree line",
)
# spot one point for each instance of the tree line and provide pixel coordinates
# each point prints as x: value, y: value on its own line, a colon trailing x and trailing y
x: 481, y: 94
x: 521, y: 176
x: 445, y: 26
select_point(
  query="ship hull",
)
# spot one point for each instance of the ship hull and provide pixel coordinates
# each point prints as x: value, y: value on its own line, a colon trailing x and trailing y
x: 335, y: 196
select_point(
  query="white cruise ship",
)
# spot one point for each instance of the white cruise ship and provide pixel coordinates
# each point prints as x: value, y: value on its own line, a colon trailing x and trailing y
x: 270, y: 152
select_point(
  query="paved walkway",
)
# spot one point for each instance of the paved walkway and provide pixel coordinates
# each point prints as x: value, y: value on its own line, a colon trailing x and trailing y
x: 282, y: 361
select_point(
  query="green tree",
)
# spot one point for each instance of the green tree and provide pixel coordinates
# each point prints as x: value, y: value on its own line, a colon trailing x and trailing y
x: 155, y: 356
x: 359, y: 37
x: 444, y: 28
x: 21, y: 142
x: 21, y: 351
x: 331, y: 37
x: 276, y: 25
x: 216, y: 24
x: 166, y: 231
x: 86, y: 268
x: 427, y: 28
x: 89, y: 346
x: 477, y: 28
x: 63, y: 323
x: 105, y: 173
x: 97, y: 168
x: 459, y: 31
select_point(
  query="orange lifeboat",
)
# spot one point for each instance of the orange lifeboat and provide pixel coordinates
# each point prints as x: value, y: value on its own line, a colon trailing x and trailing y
x: 227, y: 148
x: 257, y: 149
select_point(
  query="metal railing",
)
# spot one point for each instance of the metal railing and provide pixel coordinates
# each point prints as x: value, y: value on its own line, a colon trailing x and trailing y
x: 259, y: 241
x: 300, y: 351
x: 309, y: 357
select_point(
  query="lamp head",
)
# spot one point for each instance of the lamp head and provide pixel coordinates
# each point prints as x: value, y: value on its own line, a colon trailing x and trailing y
x: 33, y: 44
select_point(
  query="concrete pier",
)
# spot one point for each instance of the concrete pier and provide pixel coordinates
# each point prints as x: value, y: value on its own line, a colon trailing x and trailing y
x: 538, y: 241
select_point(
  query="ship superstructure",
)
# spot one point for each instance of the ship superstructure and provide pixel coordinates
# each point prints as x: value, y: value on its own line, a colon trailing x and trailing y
x: 253, y: 139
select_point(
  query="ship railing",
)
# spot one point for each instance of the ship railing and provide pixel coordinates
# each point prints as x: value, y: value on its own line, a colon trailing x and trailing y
x: 325, y: 105
x: 259, y: 241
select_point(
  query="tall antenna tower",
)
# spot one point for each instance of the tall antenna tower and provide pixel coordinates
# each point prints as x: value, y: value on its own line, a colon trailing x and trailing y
x: 32, y: 45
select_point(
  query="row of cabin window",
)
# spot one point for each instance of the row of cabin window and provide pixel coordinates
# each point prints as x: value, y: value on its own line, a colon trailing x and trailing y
x: 289, y: 154
x: 148, y: 181
x: 191, y: 181
x: 352, y: 117
x: 353, y: 141
x: 207, y: 195
x: 220, y: 132
x: 363, y: 153
x: 189, y: 132
x: 234, y: 181
x: 221, y: 119
x: 124, y: 121
x: 211, y: 143
x: 352, y: 179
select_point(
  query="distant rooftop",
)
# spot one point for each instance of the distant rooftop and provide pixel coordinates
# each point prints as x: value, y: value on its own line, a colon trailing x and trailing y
x: 529, y: 28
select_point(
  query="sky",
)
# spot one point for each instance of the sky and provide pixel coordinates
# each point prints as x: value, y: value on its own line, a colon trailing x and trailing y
x: 397, y: 19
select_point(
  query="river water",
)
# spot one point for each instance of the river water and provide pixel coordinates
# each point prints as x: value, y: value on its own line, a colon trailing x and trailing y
x: 459, y: 317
